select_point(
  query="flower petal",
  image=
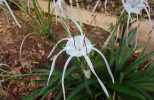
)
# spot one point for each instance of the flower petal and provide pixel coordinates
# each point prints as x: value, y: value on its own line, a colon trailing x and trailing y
x: 64, y: 25
x: 1, y: 2
x: 53, y: 65
x: 95, y: 7
x: 11, y: 13
x: 71, y: 8
x: 73, y: 20
x: 119, y: 27
x: 56, y: 45
x: 123, y: 2
x: 148, y: 13
x: 105, y: 5
x: 65, y: 66
x: 92, y: 69
x: 117, y: 33
x: 107, y: 65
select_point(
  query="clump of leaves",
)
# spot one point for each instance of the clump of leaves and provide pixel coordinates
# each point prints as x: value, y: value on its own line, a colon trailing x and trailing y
x: 42, y: 22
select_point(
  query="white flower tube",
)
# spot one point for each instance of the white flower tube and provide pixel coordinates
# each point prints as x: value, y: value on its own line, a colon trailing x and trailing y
x: 97, y: 5
x: 87, y: 73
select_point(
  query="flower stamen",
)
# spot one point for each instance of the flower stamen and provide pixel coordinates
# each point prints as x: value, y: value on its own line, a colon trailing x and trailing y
x: 79, y: 49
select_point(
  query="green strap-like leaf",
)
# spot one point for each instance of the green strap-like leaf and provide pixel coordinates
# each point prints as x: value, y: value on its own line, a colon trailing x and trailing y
x: 126, y: 91
x: 137, y: 63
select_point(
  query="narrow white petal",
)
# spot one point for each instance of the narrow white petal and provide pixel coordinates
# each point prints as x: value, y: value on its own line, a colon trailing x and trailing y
x: 1, y: 2
x: 74, y: 22
x: 95, y: 7
x: 119, y: 27
x: 117, y: 33
x: 71, y: 8
x: 92, y: 69
x: 107, y: 65
x: 64, y: 25
x: 11, y: 13
x: 53, y: 65
x: 146, y: 2
x: 65, y: 66
x: 123, y: 2
x: 60, y: 5
x: 149, y: 20
x: 105, y: 5
x: 148, y: 13
x: 122, y: 11
x: 56, y: 46
x: 54, y: 2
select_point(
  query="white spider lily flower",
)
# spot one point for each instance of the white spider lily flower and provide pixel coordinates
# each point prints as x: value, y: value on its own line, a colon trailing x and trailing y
x: 97, y: 5
x: 79, y: 46
x: 5, y: 2
x: 135, y: 6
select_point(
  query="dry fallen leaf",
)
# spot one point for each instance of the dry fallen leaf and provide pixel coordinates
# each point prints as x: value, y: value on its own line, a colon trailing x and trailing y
x: 97, y: 33
x: 14, y: 50
x: 35, y: 62
x: 4, y: 94
x: 42, y: 52
x: 39, y: 56
x: 52, y: 58
x: 39, y: 45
